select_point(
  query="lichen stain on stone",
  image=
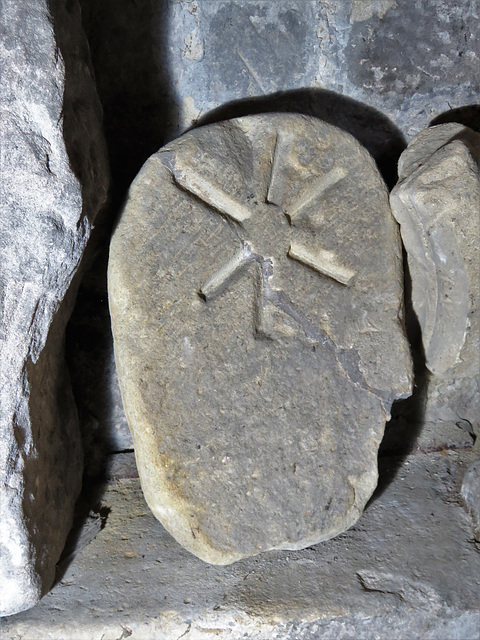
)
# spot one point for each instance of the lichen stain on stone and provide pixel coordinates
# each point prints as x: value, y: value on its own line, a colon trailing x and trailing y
x: 189, y: 112
x: 362, y: 10
x: 194, y: 49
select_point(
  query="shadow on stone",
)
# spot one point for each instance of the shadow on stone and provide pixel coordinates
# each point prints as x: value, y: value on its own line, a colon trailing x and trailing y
x: 128, y: 44
x: 81, y: 110
x: 405, y: 425
x: 468, y: 115
x: 133, y: 84
x: 370, y: 127
x: 89, y: 354
x: 129, y: 58
x: 89, y: 519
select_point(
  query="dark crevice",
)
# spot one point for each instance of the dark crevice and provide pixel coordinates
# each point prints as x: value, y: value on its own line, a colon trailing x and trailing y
x: 132, y: 78
x: 407, y: 415
x: 130, y: 61
x: 89, y: 519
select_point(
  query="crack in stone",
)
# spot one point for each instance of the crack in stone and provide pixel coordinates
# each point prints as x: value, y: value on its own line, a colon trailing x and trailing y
x: 347, y: 359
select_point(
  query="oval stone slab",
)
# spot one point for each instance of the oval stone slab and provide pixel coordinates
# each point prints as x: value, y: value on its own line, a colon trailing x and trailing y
x: 255, y: 287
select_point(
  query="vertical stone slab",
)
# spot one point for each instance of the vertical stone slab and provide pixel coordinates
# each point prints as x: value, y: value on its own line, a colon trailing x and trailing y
x: 437, y: 203
x: 54, y: 180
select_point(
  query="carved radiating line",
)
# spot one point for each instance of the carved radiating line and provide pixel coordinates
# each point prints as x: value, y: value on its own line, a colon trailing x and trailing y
x: 252, y: 72
x: 317, y: 189
x: 274, y: 194
x: 216, y: 283
x: 324, y: 262
x: 211, y: 195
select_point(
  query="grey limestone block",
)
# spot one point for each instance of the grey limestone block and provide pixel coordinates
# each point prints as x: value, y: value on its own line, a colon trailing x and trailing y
x: 54, y: 180
x: 255, y: 287
x: 437, y: 203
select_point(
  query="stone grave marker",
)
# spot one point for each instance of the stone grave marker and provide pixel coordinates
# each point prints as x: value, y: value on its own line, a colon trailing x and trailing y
x: 255, y: 284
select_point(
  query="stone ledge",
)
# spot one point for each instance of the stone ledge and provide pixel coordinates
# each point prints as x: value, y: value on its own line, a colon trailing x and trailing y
x: 409, y: 568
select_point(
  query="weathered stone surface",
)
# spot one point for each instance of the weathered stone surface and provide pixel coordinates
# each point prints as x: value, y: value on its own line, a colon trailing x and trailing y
x: 407, y: 570
x: 437, y: 203
x: 431, y: 140
x: 54, y: 180
x: 255, y: 286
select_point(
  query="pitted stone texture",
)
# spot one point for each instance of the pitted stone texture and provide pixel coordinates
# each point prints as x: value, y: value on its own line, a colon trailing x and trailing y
x: 255, y: 290
x: 437, y: 203
x: 53, y: 183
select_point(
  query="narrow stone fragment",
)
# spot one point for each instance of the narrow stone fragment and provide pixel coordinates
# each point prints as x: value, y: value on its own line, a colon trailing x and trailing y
x: 471, y: 495
x: 431, y: 140
x: 437, y: 203
x: 256, y: 381
x: 54, y: 180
